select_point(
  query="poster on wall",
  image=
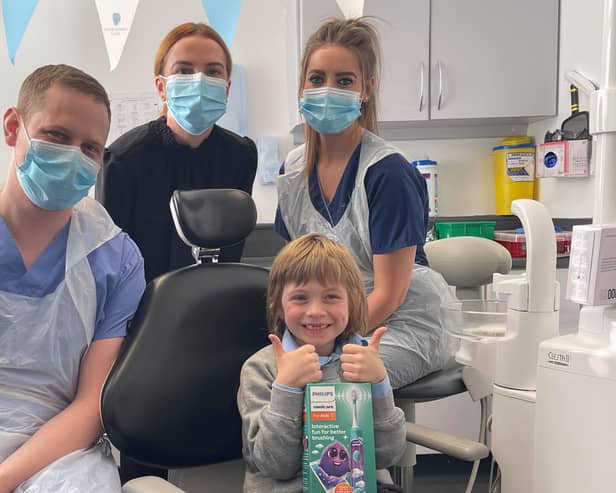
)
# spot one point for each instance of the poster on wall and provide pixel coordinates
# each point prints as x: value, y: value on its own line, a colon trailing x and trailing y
x: 16, y: 15
x: 129, y: 110
x: 116, y: 18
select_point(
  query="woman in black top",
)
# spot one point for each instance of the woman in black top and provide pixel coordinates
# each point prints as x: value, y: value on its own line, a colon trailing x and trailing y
x: 183, y: 149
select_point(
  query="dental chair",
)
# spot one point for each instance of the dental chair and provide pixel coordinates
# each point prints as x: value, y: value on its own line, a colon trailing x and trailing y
x: 262, y: 245
x: 170, y: 398
x: 467, y: 263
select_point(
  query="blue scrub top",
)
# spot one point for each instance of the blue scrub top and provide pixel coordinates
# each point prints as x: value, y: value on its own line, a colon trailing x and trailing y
x: 117, y: 267
x: 397, y: 200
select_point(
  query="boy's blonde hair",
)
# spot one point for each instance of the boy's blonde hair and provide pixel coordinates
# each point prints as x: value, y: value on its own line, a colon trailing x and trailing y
x: 314, y: 257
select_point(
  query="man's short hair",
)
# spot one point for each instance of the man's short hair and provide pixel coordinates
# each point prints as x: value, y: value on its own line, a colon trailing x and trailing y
x: 34, y: 89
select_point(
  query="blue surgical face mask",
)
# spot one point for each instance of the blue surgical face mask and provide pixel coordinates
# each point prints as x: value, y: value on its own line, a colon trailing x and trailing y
x: 196, y: 101
x: 56, y: 176
x: 329, y: 110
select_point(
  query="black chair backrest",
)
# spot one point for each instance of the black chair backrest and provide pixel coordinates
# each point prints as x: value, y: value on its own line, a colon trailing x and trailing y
x: 170, y: 399
x: 213, y: 218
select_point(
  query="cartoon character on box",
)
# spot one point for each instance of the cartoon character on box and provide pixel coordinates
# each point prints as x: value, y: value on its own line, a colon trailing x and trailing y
x: 333, y: 467
x: 336, y: 466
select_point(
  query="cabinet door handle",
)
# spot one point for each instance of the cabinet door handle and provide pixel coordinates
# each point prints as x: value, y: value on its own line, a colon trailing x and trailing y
x: 421, y: 86
x: 440, y: 85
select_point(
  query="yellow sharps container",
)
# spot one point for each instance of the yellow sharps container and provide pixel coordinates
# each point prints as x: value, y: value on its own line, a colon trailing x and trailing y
x: 514, y: 171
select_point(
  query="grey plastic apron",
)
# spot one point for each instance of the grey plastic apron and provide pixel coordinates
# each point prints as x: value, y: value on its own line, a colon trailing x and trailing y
x: 42, y: 342
x: 415, y: 327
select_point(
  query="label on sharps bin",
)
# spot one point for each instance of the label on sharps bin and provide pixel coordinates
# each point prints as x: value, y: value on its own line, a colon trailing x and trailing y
x: 521, y: 166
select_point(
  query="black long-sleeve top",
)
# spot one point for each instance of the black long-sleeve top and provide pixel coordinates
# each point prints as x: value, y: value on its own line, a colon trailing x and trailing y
x: 144, y: 166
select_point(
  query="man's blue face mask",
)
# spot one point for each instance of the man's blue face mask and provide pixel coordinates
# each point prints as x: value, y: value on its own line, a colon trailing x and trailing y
x: 55, y: 176
x: 196, y: 101
x: 329, y: 110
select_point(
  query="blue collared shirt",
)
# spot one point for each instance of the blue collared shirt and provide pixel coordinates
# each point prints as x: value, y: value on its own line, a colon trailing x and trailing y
x: 117, y: 267
x: 290, y: 344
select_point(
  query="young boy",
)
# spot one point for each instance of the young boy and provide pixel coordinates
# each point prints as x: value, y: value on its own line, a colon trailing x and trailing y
x: 316, y: 308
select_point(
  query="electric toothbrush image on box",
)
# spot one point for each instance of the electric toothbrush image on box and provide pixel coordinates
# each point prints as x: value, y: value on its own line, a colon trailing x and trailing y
x: 357, y: 451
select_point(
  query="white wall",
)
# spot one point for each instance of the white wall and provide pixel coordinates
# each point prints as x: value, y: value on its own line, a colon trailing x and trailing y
x: 465, y: 173
x: 68, y: 31
x: 580, y: 49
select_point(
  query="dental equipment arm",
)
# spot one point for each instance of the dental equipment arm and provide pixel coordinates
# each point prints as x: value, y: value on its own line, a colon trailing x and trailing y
x: 582, y: 82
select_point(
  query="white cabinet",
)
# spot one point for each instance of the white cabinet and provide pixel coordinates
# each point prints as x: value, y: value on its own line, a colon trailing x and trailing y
x: 451, y: 62
x: 404, y: 33
x: 493, y: 58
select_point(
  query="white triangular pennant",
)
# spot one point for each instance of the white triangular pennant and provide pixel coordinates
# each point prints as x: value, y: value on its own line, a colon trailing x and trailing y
x: 116, y: 18
x: 351, y: 8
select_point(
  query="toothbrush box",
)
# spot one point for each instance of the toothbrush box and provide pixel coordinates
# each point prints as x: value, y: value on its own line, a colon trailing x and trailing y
x: 339, y: 439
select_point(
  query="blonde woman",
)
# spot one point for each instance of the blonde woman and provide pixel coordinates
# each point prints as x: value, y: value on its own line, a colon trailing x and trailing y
x: 349, y: 184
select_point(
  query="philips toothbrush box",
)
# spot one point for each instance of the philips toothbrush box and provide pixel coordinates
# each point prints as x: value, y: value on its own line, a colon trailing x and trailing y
x: 339, y: 439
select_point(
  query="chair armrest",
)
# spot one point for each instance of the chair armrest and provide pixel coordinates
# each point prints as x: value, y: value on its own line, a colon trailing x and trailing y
x: 150, y: 484
x: 458, y: 447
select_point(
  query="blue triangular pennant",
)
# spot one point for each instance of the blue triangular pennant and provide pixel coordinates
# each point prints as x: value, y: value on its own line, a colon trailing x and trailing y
x: 223, y: 17
x: 17, y: 14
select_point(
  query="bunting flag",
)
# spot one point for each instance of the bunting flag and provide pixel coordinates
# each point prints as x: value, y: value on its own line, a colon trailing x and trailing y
x: 351, y: 8
x: 17, y: 15
x: 223, y: 17
x: 116, y: 18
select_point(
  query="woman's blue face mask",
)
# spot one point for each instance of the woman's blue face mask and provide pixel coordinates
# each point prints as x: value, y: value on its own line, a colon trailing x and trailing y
x: 329, y: 110
x: 55, y: 176
x: 196, y: 101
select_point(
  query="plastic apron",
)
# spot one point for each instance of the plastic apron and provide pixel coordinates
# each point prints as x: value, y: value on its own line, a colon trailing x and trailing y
x: 42, y: 341
x: 416, y: 325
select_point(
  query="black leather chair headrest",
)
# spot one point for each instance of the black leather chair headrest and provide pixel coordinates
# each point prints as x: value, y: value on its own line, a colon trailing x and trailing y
x: 213, y: 218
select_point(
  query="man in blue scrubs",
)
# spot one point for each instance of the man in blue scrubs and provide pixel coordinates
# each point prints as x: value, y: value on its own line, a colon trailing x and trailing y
x: 69, y: 282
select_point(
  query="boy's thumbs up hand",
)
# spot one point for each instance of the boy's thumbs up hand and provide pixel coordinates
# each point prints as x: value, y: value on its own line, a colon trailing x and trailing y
x: 296, y: 368
x: 363, y: 363
x: 276, y: 346
x: 375, y: 340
